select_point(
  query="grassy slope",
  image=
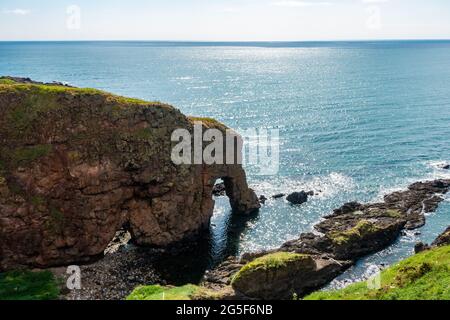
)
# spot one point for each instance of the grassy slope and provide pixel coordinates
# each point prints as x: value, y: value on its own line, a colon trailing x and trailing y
x: 425, y: 276
x: 187, y: 292
x: 156, y: 292
x: 209, y: 123
x: 27, y: 285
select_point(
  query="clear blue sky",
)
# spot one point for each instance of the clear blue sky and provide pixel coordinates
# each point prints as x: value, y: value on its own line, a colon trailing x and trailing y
x: 246, y: 20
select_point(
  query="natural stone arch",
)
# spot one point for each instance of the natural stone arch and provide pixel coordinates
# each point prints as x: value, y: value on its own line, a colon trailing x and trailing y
x: 83, y: 163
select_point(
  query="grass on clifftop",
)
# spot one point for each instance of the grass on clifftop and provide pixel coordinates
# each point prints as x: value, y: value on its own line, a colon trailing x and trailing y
x: 425, y: 276
x: 27, y: 285
x: 33, y: 88
x: 36, y: 101
x: 209, y: 123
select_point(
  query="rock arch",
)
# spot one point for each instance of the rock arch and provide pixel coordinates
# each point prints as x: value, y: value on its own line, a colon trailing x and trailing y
x: 79, y: 164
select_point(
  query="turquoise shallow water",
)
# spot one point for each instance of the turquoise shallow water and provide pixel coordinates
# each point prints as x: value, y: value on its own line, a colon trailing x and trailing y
x: 357, y: 120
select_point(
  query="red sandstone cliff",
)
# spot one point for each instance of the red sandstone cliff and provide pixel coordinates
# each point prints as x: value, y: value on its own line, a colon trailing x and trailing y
x: 76, y: 165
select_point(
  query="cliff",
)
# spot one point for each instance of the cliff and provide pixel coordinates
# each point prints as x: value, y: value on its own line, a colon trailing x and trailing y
x: 77, y: 165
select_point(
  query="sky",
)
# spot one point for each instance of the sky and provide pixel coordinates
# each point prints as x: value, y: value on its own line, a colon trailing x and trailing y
x: 224, y: 20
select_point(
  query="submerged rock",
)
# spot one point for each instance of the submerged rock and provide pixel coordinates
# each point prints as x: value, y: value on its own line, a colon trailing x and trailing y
x: 77, y: 165
x: 278, y: 196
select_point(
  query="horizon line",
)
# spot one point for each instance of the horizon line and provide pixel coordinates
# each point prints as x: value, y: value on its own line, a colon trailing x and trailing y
x: 230, y: 41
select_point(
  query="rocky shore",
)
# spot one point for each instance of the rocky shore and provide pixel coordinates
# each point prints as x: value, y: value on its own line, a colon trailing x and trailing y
x: 350, y: 232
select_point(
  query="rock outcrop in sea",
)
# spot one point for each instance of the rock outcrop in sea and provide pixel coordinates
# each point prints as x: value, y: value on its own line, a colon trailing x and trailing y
x: 349, y: 233
x: 77, y: 165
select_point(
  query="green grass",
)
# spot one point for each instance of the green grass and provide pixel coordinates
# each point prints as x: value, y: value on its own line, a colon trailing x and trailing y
x: 27, y: 285
x: 209, y: 122
x: 6, y: 81
x: 43, y: 89
x: 270, y: 261
x: 394, y: 213
x: 184, y: 293
x: 38, y: 100
x: 425, y: 276
x: 157, y: 292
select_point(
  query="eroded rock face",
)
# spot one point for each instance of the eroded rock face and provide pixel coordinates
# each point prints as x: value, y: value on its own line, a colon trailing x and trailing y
x: 271, y: 277
x: 77, y: 165
x: 283, y: 275
x: 252, y: 278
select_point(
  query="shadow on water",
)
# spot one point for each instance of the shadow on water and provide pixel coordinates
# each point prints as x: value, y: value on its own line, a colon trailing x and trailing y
x: 189, y: 263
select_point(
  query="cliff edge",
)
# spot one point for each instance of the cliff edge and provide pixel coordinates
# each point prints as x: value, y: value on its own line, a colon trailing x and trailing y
x: 77, y: 165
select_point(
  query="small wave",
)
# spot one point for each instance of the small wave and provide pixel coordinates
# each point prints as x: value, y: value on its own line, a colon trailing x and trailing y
x: 199, y: 88
x: 438, y: 172
x: 183, y: 78
x: 433, y: 171
x: 389, y: 190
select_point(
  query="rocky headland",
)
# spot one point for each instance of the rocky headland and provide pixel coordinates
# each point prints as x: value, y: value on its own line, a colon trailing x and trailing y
x: 84, y: 172
x: 78, y: 165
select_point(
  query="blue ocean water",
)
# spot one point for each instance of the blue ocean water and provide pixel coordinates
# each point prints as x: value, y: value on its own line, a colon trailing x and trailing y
x: 357, y: 119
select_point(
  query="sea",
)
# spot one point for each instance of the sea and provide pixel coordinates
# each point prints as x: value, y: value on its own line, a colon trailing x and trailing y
x: 356, y: 120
